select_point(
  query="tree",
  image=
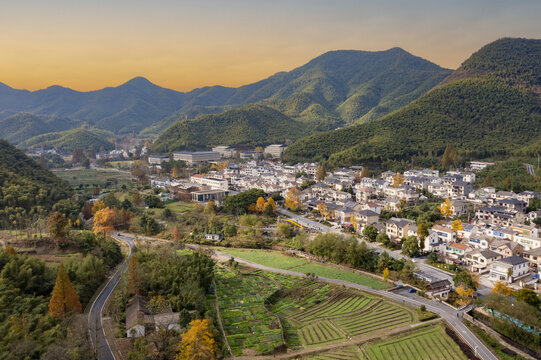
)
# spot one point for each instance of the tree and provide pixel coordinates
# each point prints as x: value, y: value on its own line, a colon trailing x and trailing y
x: 463, y: 278
x: 410, y: 246
x: 528, y: 296
x: 292, y: 199
x: 501, y: 288
x: 365, y: 173
x: 321, y: 172
x: 77, y: 156
x: 270, y: 206
x: 398, y: 180
x: 175, y: 172
x: 260, y: 204
x: 197, y: 342
x: 322, y: 208
x: 64, y: 299
x: 386, y: 274
x: 383, y: 238
x: 10, y: 251
x: 422, y: 233
x: 465, y: 294
x: 354, y: 223
x: 42, y: 161
x: 98, y: 205
x: 450, y: 157
x: 211, y: 207
x: 370, y: 232
x: 457, y: 226
x: 134, y: 276
x: 284, y: 229
x: 104, y: 221
x: 57, y: 224
x: 136, y: 198
x: 445, y: 208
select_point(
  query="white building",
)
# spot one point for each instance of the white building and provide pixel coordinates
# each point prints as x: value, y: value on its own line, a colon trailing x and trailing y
x: 157, y: 159
x: 275, y: 150
x: 509, y: 269
x: 196, y: 157
x: 215, y: 184
x: 224, y: 151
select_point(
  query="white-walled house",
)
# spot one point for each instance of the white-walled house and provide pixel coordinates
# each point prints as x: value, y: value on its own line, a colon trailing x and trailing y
x: 509, y: 269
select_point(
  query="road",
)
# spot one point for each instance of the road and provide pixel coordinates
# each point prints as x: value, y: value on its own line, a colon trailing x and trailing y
x: 452, y: 316
x: 425, y: 268
x: 95, y: 325
x: 530, y: 169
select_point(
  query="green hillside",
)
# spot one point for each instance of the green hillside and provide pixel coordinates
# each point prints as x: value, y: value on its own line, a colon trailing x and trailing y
x: 25, y: 188
x: 69, y: 140
x: 22, y: 126
x: 479, y: 111
x: 249, y: 125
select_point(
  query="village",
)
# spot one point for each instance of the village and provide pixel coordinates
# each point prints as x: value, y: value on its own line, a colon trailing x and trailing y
x: 490, y: 233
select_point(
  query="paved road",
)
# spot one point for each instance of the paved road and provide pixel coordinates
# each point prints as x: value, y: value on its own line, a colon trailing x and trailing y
x: 452, y: 316
x: 427, y: 269
x: 95, y: 326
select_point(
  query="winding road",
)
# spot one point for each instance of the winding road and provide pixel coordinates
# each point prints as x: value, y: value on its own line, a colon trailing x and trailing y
x: 95, y: 323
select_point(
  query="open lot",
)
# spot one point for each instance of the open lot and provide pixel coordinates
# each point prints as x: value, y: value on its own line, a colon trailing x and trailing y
x: 98, y: 177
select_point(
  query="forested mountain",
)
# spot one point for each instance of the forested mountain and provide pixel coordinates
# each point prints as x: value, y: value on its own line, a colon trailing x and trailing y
x: 490, y: 106
x: 68, y: 140
x: 248, y: 125
x: 25, y: 187
x: 335, y: 88
x: 22, y: 126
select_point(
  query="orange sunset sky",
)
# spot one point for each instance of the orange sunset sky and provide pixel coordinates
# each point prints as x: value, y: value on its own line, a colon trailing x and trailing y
x: 88, y: 45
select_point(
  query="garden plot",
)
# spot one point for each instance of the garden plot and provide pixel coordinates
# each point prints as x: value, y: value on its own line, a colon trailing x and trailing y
x: 384, y: 315
x: 346, y: 353
x: 319, y: 333
x: 427, y: 343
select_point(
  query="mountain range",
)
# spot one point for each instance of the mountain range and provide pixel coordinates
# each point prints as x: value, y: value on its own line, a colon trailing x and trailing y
x: 490, y: 106
x: 334, y: 89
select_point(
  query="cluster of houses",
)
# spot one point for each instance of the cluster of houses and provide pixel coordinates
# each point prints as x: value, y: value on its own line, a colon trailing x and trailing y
x: 497, y: 239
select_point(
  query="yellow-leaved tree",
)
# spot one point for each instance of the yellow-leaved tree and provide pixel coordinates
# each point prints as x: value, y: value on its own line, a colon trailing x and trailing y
x: 64, y: 299
x: 104, y: 221
x: 98, y: 205
x: 386, y: 274
x: 445, y: 208
x: 260, y: 204
x: 501, y: 288
x: 398, y: 180
x: 272, y: 204
x: 457, y: 226
x: 197, y: 342
x: 292, y: 199
x: 465, y: 294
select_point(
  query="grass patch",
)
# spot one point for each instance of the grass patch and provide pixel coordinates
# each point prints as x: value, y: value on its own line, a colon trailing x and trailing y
x: 184, y: 252
x: 93, y: 177
x: 268, y: 258
x: 493, y: 343
x: 180, y: 207
x: 277, y: 260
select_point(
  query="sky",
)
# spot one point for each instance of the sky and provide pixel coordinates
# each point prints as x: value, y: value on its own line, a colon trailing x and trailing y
x: 183, y: 44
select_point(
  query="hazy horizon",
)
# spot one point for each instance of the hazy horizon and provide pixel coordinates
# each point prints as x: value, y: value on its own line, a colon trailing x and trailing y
x: 183, y: 45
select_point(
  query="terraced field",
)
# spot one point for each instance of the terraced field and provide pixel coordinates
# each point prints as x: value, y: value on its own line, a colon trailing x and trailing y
x: 384, y: 315
x: 427, y: 343
x: 320, y: 333
x: 352, y: 352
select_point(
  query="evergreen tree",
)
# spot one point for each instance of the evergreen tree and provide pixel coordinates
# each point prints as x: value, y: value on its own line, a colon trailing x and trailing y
x: 64, y: 299
x: 321, y: 172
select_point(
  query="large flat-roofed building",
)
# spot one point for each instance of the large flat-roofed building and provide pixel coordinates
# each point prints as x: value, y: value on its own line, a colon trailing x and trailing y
x: 215, y: 184
x: 275, y: 150
x: 206, y: 195
x: 157, y: 159
x: 196, y: 157
x: 224, y: 151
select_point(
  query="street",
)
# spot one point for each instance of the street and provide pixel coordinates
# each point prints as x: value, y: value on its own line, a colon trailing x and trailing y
x: 95, y: 326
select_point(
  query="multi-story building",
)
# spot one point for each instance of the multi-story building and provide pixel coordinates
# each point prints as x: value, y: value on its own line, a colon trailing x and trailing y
x: 224, y: 151
x: 275, y: 150
x: 157, y: 159
x: 398, y: 228
x: 196, y: 157
x: 215, y: 184
x: 509, y: 269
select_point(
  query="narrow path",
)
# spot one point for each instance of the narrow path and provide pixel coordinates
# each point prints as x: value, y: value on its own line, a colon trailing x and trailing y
x: 219, y: 317
x: 95, y: 315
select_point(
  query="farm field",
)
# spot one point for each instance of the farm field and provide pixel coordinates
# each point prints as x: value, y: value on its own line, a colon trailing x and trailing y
x: 277, y: 260
x: 93, y: 177
x: 429, y: 342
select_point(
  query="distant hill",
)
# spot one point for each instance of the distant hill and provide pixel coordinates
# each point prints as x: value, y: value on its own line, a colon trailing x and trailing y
x: 126, y: 108
x: 336, y: 88
x: 25, y: 187
x: 490, y: 106
x: 248, y: 125
x: 69, y: 140
x: 19, y: 127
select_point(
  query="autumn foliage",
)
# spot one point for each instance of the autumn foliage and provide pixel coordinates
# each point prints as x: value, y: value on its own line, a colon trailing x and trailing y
x: 57, y: 224
x: 104, y: 221
x: 64, y: 299
x: 197, y: 342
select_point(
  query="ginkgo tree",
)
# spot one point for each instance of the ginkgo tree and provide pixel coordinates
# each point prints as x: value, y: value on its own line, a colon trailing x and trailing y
x: 446, y: 209
x: 198, y: 342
